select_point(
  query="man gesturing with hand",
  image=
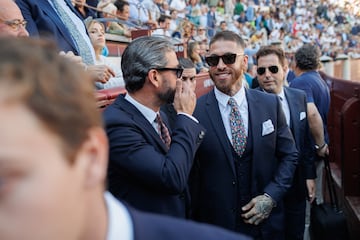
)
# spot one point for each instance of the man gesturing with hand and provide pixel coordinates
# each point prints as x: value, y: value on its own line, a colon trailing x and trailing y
x: 149, y: 165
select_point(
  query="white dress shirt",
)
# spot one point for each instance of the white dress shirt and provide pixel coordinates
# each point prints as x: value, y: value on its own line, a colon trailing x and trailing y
x: 120, y: 223
x: 285, y: 106
x: 225, y: 109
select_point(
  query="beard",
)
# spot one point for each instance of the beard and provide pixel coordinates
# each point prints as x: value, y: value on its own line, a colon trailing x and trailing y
x: 167, y: 96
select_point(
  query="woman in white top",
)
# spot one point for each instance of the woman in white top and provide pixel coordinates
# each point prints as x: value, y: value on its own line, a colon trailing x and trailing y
x: 96, y: 32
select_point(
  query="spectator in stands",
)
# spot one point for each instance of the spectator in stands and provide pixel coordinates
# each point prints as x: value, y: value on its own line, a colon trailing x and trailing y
x: 53, y: 158
x: 12, y: 22
x: 179, y: 6
x: 153, y: 9
x: 44, y: 20
x: 163, y: 26
x: 96, y: 32
x: 83, y: 10
x: 271, y: 72
x: 193, y: 53
x: 247, y: 159
x: 308, y: 79
x: 147, y: 162
x: 123, y: 14
x: 189, y: 76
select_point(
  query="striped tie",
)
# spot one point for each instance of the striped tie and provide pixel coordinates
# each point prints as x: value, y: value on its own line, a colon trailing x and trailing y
x: 237, y: 127
x: 163, y: 131
x: 82, y: 46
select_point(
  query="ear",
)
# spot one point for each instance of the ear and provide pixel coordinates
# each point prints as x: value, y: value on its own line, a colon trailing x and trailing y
x: 93, y: 158
x: 154, y: 78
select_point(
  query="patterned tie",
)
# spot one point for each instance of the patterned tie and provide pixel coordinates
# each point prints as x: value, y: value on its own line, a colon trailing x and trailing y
x: 79, y: 40
x: 163, y: 131
x: 237, y: 127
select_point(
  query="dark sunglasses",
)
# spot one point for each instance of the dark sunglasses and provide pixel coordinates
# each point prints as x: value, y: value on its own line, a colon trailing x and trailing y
x: 272, y: 69
x: 178, y: 71
x: 228, y: 58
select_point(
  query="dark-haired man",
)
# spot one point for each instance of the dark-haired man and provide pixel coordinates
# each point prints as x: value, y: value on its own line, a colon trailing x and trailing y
x: 271, y: 71
x: 248, y: 157
x: 150, y: 164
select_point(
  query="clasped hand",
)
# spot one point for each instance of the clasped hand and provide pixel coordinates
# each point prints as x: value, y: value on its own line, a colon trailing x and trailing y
x: 258, y: 209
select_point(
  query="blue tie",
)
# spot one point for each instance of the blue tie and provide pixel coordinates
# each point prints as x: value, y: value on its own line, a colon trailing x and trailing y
x: 79, y: 40
x: 238, y: 134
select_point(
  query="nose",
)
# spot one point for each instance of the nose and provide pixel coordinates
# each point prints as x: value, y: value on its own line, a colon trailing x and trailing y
x: 267, y: 72
x: 221, y: 64
x: 23, y: 32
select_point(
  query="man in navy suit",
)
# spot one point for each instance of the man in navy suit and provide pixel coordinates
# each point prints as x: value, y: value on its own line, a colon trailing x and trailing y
x: 44, y: 21
x: 271, y: 71
x: 242, y: 192
x: 54, y: 154
x: 145, y: 170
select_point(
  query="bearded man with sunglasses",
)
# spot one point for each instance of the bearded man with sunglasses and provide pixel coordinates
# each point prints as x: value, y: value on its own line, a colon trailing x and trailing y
x: 149, y: 166
x: 248, y: 157
x: 271, y: 73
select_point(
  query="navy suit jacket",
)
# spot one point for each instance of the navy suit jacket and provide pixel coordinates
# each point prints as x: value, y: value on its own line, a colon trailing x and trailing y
x: 142, y: 171
x: 274, y: 159
x: 43, y: 21
x: 300, y: 129
x: 154, y: 227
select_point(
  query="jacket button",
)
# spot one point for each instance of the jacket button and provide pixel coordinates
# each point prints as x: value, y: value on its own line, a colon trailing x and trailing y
x: 233, y: 183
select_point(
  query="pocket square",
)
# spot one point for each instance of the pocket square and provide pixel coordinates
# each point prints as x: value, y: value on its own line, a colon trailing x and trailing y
x: 267, y: 127
x: 302, y: 115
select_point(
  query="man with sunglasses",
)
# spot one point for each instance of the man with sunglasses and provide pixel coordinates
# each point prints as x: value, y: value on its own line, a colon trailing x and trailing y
x: 271, y: 73
x: 149, y: 166
x: 189, y: 76
x: 248, y: 157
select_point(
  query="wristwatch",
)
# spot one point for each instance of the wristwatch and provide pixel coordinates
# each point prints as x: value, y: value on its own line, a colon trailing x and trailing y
x: 318, y: 148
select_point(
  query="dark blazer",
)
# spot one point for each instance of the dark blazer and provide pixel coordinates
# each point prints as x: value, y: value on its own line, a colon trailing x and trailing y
x: 43, y: 21
x: 142, y: 171
x: 300, y: 129
x: 274, y: 160
x: 154, y: 227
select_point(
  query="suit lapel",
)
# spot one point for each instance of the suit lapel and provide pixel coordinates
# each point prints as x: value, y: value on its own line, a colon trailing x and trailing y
x: 212, y: 109
x: 294, y: 111
x: 49, y: 10
x: 139, y: 118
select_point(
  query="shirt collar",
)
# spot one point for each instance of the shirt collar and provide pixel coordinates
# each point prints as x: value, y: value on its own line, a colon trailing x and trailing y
x: 223, y: 98
x: 282, y: 93
x: 148, y: 113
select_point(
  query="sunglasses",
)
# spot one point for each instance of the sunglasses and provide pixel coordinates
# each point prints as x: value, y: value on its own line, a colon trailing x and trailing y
x: 178, y: 71
x: 272, y: 69
x: 228, y: 58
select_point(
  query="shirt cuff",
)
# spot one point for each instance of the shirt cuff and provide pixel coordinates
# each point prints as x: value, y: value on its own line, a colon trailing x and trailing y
x: 190, y: 116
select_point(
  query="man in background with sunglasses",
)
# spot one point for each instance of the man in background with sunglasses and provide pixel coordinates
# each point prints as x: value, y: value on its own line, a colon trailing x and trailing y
x: 149, y: 166
x: 248, y: 157
x: 188, y: 76
x: 271, y: 72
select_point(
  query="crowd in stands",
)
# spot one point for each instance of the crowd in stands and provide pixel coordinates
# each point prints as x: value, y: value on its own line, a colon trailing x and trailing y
x: 334, y: 26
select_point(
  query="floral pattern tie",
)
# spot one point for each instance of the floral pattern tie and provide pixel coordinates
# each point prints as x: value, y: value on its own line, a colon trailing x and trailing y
x: 238, y: 134
x: 163, y: 131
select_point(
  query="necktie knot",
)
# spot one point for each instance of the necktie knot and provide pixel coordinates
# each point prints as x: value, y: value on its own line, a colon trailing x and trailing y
x: 232, y: 102
x: 163, y: 131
